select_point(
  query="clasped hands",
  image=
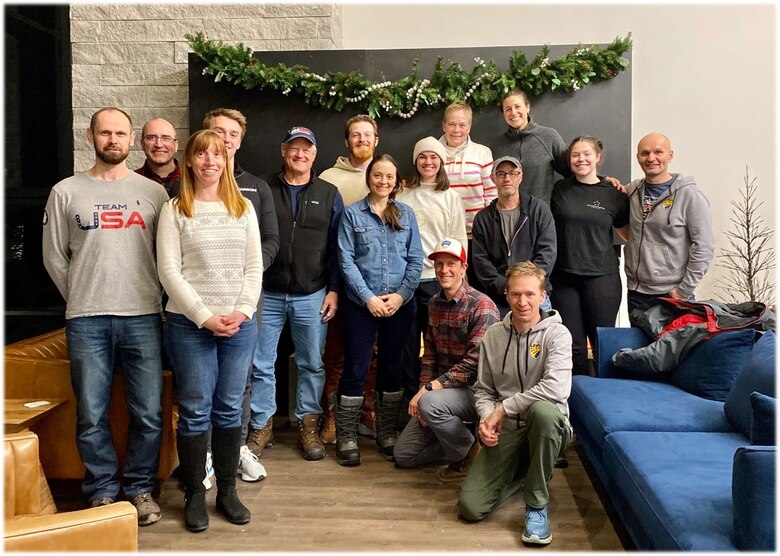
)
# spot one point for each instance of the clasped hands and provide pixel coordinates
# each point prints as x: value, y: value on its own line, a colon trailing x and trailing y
x: 490, y: 427
x: 225, y: 325
x: 384, y: 305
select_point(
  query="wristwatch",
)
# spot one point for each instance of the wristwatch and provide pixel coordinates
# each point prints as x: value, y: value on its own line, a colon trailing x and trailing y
x: 429, y: 386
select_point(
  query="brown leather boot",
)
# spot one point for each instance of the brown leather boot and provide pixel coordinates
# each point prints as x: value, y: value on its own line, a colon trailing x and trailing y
x: 259, y: 439
x: 458, y: 470
x: 328, y: 429
x: 309, y: 437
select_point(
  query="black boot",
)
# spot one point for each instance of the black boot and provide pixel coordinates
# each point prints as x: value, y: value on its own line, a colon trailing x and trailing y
x: 225, y: 452
x: 192, y: 468
x: 347, y: 417
x: 388, y: 408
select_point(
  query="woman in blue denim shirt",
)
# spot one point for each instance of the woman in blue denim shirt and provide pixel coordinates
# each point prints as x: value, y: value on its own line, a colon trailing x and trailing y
x: 381, y: 258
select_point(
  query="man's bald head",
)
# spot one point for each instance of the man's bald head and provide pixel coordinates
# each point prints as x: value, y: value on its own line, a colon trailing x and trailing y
x: 654, y: 153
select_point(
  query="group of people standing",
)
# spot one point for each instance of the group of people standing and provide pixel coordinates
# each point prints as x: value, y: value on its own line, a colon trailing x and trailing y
x: 504, y: 271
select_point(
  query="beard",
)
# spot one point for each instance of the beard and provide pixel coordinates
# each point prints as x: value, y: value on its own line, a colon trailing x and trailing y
x: 111, y: 157
x: 362, y: 153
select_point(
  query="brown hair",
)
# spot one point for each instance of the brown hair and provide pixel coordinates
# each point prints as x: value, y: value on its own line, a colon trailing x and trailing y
x: 392, y: 212
x: 515, y: 93
x: 442, y: 181
x: 93, y: 119
x: 526, y: 268
x: 597, y: 145
x: 231, y: 113
x: 457, y: 106
x: 360, y: 118
x: 227, y: 189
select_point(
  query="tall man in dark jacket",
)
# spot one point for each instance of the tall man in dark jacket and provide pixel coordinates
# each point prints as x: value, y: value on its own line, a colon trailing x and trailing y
x: 302, y: 285
x: 513, y: 228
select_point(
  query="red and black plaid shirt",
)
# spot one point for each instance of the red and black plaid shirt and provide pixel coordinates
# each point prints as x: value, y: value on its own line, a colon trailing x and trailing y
x: 167, y: 182
x: 455, y: 330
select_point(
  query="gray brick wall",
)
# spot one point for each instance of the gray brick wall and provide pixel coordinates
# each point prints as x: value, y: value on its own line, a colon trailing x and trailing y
x: 135, y: 56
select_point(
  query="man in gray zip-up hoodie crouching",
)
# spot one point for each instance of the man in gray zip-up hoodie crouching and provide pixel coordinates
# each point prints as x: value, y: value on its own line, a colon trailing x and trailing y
x: 521, y: 393
x: 671, y: 242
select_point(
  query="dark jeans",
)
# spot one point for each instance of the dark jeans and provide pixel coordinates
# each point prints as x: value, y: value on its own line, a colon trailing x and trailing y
x: 360, y: 330
x: 411, y: 351
x: 584, y: 303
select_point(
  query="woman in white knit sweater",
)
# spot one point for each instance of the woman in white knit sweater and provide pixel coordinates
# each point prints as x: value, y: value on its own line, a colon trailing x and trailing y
x: 439, y: 212
x: 210, y: 264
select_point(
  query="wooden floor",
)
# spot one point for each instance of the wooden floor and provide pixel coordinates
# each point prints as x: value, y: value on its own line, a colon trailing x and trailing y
x: 375, y: 507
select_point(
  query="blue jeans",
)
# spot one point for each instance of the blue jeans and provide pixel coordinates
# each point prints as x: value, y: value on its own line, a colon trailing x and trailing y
x: 210, y: 373
x: 361, y: 328
x: 93, y: 344
x: 308, y: 335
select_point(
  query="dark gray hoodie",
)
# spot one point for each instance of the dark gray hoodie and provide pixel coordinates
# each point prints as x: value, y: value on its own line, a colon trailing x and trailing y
x: 520, y: 369
x: 674, y: 245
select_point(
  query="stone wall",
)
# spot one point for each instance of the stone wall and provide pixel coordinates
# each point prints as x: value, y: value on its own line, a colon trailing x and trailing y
x: 134, y: 57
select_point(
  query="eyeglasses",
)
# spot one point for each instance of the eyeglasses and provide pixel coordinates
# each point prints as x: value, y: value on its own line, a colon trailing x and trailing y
x: 501, y: 175
x: 167, y: 139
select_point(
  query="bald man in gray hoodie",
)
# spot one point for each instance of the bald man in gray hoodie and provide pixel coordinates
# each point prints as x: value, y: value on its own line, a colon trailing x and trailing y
x: 671, y: 244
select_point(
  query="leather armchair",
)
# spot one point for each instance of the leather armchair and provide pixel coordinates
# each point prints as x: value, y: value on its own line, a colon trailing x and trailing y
x: 31, y: 523
x: 39, y: 368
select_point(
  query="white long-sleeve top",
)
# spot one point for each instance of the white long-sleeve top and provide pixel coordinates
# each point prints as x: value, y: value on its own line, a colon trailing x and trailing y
x: 210, y: 264
x: 439, y: 215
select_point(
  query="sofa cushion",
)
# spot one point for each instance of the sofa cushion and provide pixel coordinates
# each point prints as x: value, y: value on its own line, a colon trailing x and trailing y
x: 762, y: 426
x: 756, y: 375
x: 753, y: 494
x: 678, y: 485
x: 605, y: 405
x: 710, y: 368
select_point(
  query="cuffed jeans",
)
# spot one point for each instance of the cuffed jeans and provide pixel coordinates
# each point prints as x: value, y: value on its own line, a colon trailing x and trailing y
x: 210, y: 373
x: 93, y: 343
x: 308, y: 334
x: 446, y: 439
x: 523, y: 456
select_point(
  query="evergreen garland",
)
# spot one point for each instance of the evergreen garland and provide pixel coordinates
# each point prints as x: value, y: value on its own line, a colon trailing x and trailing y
x: 483, y: 85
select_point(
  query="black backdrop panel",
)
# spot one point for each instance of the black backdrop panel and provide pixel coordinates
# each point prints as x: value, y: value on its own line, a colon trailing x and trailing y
x: 600, y: 109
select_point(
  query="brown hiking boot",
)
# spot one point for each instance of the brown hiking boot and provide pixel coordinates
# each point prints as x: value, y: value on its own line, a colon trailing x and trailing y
x: 328, y: 430
x: 458, y: 470
x: 309, y: 437
x: 259, y: 439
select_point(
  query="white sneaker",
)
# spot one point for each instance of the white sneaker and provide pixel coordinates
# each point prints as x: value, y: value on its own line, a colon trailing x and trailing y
x: 209, y: 471
x: 251, y: 470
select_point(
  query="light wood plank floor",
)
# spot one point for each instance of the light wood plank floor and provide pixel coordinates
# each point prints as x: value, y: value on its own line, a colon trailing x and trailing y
x: 375, y: 507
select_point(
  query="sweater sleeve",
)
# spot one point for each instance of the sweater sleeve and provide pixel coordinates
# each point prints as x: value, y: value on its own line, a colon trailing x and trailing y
x: 560, y: 156
x: 56, y: 242
x: 702, y: 246
x: 489, y: 190
x: 414, y: 260
x: 253, y: 268
x: 546, y: 248
x: 269, y: 226
x: 169, y: 262
x: 555, y: 384
x: 457, y: 226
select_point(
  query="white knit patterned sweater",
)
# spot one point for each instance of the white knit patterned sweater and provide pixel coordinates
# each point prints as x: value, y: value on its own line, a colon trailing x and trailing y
x: 210, y: 264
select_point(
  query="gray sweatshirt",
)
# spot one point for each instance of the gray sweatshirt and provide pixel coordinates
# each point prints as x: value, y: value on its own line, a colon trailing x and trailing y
x: 520, y: 369
x: 674, y: 245
x: 98, y: 244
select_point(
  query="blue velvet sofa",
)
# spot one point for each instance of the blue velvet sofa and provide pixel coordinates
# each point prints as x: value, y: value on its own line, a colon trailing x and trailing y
x: 674, y: 452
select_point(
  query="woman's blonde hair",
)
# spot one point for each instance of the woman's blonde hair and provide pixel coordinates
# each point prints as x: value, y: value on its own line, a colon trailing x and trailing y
x: 228, y: 191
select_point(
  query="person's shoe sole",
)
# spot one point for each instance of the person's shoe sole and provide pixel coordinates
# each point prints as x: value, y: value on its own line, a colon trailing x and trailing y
x: 149, y: 519
x: 533, y: 539
x: 250, y: 479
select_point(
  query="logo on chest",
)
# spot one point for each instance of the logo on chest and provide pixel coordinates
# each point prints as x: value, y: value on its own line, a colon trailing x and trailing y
x: 535, y: 350
x: 111, y: 217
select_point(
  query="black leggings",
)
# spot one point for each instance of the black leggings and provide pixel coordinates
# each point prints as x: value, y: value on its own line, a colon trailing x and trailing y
x: 584, y: 303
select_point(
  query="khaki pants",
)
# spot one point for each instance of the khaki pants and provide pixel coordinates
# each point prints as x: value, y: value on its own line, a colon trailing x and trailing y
x: 525, y: 456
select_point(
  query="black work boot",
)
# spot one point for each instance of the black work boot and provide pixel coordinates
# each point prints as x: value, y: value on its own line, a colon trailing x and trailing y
x: 192, y: 468
x: 388, y: 408
x: 225, y: 451
x: 347, y: 417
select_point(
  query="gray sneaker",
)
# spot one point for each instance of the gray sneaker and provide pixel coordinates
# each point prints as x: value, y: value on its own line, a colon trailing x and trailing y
x: 97, y: 502
x: 148, y: 510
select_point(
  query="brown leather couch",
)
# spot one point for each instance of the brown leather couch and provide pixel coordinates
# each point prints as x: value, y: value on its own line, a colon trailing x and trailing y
x: 38, y: 368
x: 30, y: 519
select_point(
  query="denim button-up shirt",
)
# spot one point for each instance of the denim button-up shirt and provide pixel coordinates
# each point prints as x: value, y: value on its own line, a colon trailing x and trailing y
x: 375, y: 259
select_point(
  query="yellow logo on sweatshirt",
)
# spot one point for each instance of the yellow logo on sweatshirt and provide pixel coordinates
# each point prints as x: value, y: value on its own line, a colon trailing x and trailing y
x: 535, y: 350
x: 668, y: 202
